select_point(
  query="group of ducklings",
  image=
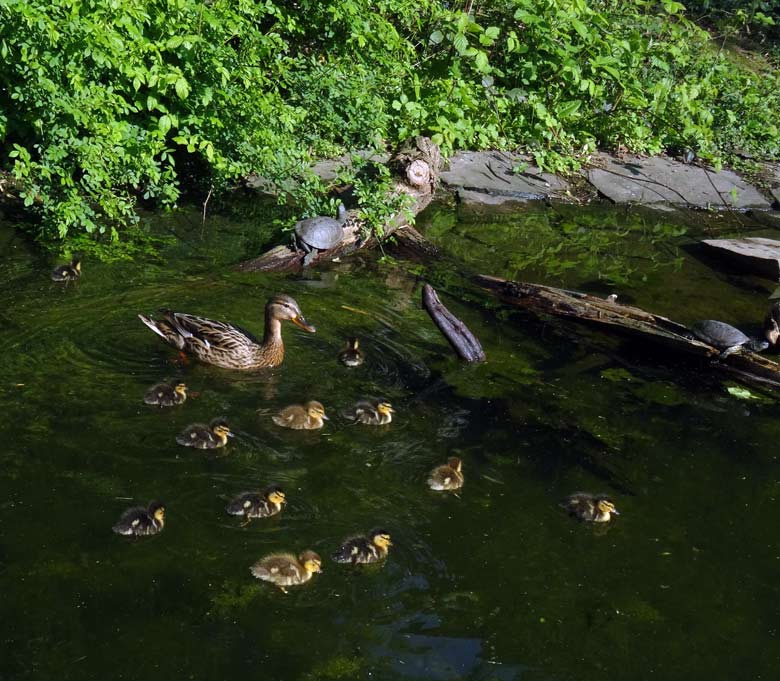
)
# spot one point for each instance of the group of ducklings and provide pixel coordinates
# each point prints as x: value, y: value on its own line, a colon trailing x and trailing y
x: 230, y: 347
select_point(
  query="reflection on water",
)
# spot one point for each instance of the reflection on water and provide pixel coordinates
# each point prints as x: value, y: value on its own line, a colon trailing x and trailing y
x: 493, y: 583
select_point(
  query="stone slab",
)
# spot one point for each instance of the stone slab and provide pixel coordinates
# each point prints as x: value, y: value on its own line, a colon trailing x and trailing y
x: 756, y: 255
x: 492, y: 173
x: 659, y: 179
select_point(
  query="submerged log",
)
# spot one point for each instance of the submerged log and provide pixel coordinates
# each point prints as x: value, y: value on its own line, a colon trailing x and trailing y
x: 453, y: 329
x: 415, y: 165
x: 610, y: 314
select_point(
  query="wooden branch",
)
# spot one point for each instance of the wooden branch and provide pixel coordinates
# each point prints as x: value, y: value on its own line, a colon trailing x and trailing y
x: 453, y: 329
x: 415, y: 166
x: 746, y: 365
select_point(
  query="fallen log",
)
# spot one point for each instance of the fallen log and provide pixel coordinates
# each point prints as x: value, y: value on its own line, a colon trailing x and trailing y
x: 453, y: 329
x: 610, y: 314
x: 415, y: 167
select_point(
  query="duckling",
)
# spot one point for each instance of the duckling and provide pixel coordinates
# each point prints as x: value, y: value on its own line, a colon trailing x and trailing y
x: 166, y: 394
x: 592, y: 508
x: 447, y: 477
x: 309, y: 416
x: 351, y: 356
x: 284, y: 569
x: 139, y: 521
x: 364, y: 549
x: 264, y: 504
x: 202, y: 436
x: 68, y: 272
x: 772, y: 325
x: 371, y: 412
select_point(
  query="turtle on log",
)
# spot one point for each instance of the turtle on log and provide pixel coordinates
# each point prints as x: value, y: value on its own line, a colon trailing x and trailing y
x: 320, y: 233
x: 725, y: 337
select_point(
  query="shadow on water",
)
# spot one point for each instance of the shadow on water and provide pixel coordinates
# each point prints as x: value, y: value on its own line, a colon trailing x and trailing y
x: 494, y: 583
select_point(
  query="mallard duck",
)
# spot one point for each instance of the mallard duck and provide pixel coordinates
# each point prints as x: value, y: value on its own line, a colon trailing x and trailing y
x: 592, y: 508
x: 307, y: 416
x: 261, y: 504
x: 448, y: 476
x: 225, y: 345
x: 364, y: 549
x: 139, y: 521
x: 166, y: 394
x: 201, y: 436
x: 351, y: 356
x: 371, y: 412
x: 772, y: 325
x: 68, y: 272
x: 284, y: 569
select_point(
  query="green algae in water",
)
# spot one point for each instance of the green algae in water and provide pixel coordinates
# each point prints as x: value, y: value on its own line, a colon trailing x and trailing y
x: 493, y: 583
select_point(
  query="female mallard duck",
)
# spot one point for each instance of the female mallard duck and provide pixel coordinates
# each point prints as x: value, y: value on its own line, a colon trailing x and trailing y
x: 201, y: 436
x: 364, y: 549
x: 307, y: 416
x: 264, y: 504
x: 371, y: 412
x: 448, y: 476
x: 351, y: 356
x: 284, y: 569
x: 228, y: 346
x: 166, y: 394
x: 139, y: 521
x: 592, y: 508
x: 68, y: 272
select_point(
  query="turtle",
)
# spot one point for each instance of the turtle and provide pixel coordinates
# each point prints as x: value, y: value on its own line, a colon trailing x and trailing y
x: 725, y: 337
x: 320, y: 233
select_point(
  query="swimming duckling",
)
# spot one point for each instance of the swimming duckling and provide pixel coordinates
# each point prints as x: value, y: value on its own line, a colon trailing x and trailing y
x: 284, y: 569
x: 166, y: 395
x: 264, y: 504
x: 202, y: 436
x: 447, y: 477
x: 307, y: 416
x: 371, y: 412
x: 592, y: 508
x: 139, y: 521
x: 68, y: 272
x: 352, y: 356
x: 369, y: 549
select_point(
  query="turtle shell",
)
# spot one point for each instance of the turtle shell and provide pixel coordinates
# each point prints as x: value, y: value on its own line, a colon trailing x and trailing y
x: 321, y: 231
x: 718, y: 334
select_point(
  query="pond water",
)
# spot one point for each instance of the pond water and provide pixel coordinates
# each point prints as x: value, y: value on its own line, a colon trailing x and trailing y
x: 493, y: 583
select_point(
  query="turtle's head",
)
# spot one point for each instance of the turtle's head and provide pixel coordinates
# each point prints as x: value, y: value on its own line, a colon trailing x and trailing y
x: 756, y: 345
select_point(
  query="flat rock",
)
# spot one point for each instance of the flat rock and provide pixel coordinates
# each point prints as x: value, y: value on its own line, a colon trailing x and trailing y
x: 492, y: 173
x: 659, y: 179
x: 756, y: 255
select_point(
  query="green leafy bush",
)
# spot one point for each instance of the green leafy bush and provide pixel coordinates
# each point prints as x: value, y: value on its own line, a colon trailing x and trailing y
x: 105, y: 103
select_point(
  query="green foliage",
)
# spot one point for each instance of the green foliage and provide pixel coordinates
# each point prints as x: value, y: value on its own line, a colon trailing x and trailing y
x: 110, y: 102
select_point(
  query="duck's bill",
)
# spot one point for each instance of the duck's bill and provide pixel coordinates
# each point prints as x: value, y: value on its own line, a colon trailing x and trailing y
x: 326, y: 418
x: 231, y: 433
x: 614, y: 511
x: 300, y: 321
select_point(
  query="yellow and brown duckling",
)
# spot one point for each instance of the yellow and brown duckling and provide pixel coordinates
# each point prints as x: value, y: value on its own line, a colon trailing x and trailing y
x: 202, y: 436
x: 284, y: 569
x: 591, y: 508
x: 352, y: 355
x: 447, y: 477
x: 309, y: 416
x: 228, y: 346
x: 371, y: 412
x: 370, y: 548
x: 166, y: 394
x: 139, y: 521
x: 261, y: 504
x: 68, y: 272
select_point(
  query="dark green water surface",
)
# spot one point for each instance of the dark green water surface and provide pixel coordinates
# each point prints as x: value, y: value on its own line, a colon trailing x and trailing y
x: 496, y: 583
